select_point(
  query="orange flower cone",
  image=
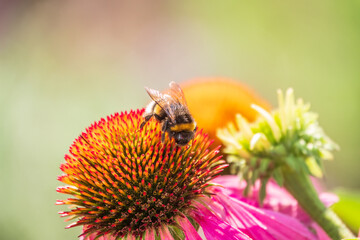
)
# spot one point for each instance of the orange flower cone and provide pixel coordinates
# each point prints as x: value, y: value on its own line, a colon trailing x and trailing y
x: 125, y: 182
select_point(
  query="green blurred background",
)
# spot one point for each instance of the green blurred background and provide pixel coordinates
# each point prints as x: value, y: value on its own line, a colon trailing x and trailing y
x: 65, y: 64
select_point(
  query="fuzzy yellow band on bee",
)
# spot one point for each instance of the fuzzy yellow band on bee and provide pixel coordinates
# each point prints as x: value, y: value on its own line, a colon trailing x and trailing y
x: 183, y: 127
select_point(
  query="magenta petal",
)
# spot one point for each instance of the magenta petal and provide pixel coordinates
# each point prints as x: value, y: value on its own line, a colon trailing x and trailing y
x: 259, y: 222
x: 149, y: 234
x: 328, y: 198
x: 131, y: 237
x: 285, y: 227
x: 243, y: 219
x: 234, y: 187
x: 94, y: 235
x: 320, y: 232
x: 277, y: 198
x: 189, y: 231
x: 214, y: 228
x: 165, y: 233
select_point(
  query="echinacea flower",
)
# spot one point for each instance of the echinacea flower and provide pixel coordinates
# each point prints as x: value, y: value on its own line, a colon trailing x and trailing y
x: 128, y: 184
x: 287, y: 145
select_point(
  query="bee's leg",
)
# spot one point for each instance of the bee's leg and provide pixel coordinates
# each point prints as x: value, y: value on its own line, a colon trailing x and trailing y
x: 163, y: 137
x: 163, y: 129
x: 147, y: 118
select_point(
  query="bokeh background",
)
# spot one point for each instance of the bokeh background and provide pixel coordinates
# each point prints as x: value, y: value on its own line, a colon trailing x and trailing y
x: 65, y: 64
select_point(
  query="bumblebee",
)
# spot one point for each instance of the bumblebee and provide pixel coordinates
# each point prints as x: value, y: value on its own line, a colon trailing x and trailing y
x: 170, y: 109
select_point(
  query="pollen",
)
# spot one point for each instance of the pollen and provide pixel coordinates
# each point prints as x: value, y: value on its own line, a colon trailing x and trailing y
x: 124, y: 181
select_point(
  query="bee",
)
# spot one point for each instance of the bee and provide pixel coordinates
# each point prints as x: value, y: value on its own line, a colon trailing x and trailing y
x: 170, y: 109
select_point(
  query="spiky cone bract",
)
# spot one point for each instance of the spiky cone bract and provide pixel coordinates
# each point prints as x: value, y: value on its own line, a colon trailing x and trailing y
x: 126, y: 183
x: 288, y: 145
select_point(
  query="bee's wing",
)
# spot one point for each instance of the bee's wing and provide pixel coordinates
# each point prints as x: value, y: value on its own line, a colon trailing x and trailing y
x: 163, y: 100
x: 177, y: 93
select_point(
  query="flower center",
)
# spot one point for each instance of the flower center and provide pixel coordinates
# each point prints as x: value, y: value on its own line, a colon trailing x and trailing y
x: 125, y: 180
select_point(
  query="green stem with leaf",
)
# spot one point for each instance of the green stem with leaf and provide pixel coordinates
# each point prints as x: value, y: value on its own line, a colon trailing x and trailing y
x: 300, y: 186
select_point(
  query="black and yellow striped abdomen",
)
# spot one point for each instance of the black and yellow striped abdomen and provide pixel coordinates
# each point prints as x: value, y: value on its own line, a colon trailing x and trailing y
x: 183, y: 127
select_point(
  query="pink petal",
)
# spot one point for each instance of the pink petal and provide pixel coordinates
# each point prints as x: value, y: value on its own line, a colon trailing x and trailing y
x: 246, y: 222
x: 189, y: 230
x: 150, y: 234
x: 130, y: 237
x: 214, y: 228
x: 259, y: 223
x: 94, y: 235
x: 320, y: 233
x: 232, y: 184
x: 277, y: 198
x: 165, y: 233
x: 286, y: 227
x: 328, y: 198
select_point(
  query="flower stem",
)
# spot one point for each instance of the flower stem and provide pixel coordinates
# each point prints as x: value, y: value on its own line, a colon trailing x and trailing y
x: 300, y: 186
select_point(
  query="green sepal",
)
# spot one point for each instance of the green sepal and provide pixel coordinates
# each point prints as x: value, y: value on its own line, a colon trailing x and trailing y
x: 313, y: 167
x: 194, y: 223
x: 265, y: 128
x: 264, y: 164
x: 176, y: 233
x: 157, y: 236
x: 294, y: 163
x: 279, y: 150
x: 255, y: 176
x: 246, y: 173
x: 247, y: 188
x: 98, y: 236
x: 262, y: 193
x: 278, y: 176
x: 253, y: 162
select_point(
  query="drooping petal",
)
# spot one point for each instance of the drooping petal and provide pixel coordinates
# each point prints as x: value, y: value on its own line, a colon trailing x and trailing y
x: 165, y: 233
x: 214, y: 228
x: 277, y: 198
x: 150, y: 234
x: 94, y: 236
x: 321, y: 234
x: 245, y: 221
x: 189, y: 230
x: 259, y: 223
x: 232, y: 185
x: 131, y: 237
x: 285, y: 227
x: 328, y: 198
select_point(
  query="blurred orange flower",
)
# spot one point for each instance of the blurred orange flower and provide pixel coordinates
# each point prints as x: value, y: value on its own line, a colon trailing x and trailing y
x: 214, y: 102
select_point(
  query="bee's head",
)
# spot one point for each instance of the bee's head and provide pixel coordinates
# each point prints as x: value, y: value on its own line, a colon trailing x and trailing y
x: 182, y: 138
